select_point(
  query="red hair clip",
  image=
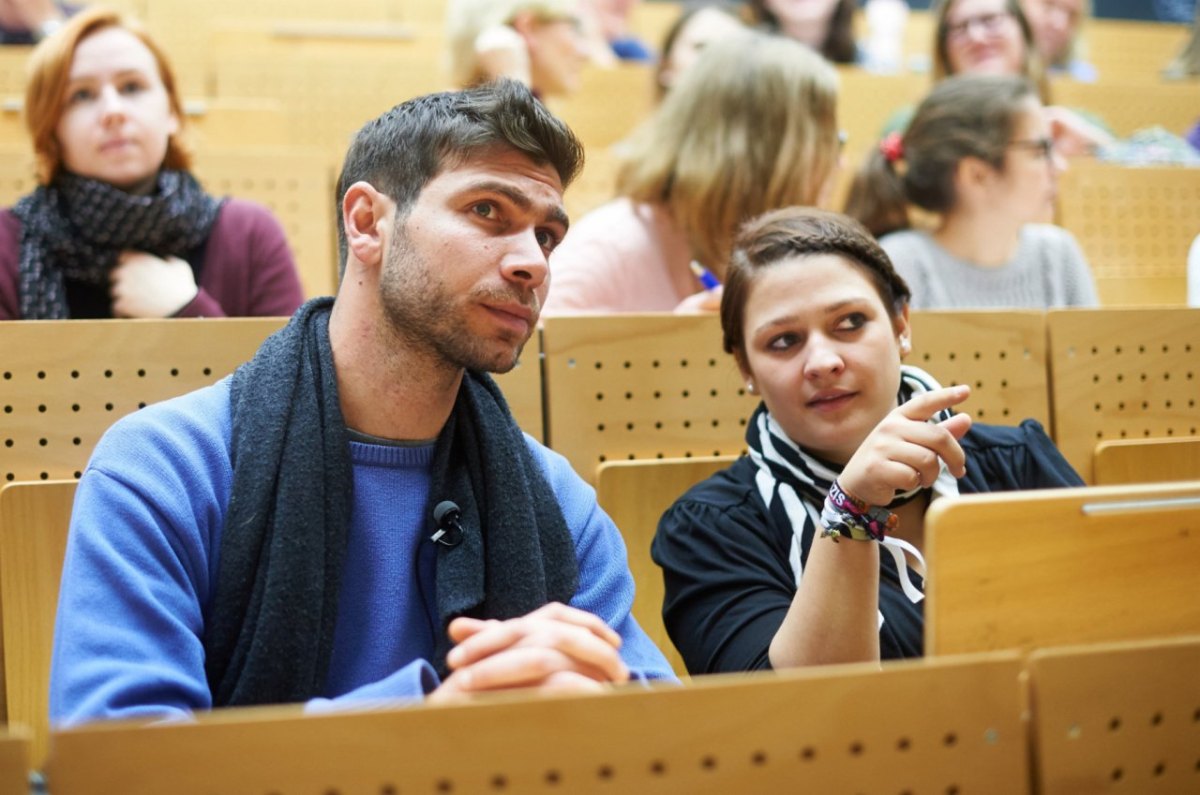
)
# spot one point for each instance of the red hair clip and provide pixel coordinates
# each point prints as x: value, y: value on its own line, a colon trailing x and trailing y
x: 892, y: 147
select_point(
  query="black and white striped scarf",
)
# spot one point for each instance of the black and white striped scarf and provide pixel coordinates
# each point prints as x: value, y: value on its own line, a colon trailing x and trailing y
x: 76, y: 227
x: 793, y: 483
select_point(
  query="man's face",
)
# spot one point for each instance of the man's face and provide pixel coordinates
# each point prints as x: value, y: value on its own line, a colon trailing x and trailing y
x: 467, y: 273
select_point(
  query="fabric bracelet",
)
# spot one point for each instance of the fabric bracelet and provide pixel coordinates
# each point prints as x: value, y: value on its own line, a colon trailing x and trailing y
x: 844, y: 515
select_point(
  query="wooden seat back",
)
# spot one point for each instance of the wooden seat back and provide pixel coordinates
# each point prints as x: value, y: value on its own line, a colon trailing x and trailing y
x: 1117, y: 717
x: 1064, y: 566
x: 635, y: 494
x: 14, y: 762
x: 1135, y: 226
x: 1122, y: 461
x: 34, y: 519
x: 1000, y: 355
x: 641, y: 387
x: 63, y: 383
x: 1122, y: 374
x: 630, y: 387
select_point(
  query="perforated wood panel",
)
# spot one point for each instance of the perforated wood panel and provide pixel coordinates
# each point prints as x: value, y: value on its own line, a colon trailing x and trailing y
x: 298, y: 187
x: 624, y: 387
x: 1122, y: 373
x: 63, y: 383
x: 34, y: 520
x: 1135, y: 226
x: 938, y: 726
x: 1048, y: 568
x: 635, y: 494
x: 1000, y: 355
x: 1120, y: 718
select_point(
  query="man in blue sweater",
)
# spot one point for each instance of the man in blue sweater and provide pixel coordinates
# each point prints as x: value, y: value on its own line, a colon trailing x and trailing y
x: 354, y: 516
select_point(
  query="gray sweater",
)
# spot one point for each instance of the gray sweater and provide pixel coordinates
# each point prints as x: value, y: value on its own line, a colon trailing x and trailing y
x: 1047, y: 271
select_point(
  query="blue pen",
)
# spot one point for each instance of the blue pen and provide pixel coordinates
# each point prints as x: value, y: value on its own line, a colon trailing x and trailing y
x: 705, y: 276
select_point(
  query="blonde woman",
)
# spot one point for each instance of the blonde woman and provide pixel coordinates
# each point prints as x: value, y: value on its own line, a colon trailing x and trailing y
x: 751, y: 127
x: 541, y: 43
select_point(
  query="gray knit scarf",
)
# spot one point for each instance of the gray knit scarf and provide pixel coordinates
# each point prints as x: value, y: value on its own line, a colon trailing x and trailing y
x: 270, y: 626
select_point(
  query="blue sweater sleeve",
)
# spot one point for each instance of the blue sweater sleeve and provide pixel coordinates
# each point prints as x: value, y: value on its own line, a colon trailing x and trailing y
x: 140, y: 566
x: 606, y: 587
x: 142, y: 558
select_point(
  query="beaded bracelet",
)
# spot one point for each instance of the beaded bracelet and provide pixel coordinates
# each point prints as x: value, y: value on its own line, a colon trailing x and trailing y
x: 847, y: 516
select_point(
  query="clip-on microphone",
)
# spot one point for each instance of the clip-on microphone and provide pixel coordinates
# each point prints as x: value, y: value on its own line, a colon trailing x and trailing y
x: 449, y: 533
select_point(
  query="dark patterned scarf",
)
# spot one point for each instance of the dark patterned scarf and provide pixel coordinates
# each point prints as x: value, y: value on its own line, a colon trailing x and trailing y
x: 76, y: 227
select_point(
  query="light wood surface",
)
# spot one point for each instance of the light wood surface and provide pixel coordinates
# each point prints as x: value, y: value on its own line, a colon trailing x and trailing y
x: 1120, y: 461
x: 522, y: 387
x: 1123, y: 49
x: 1122, y: 374
x: 1117, y: 718
x: 1135, y: 226
x: 609, y: 104
x: 14, y: 762
x: 635, y: 494
x: 1064, y: 566
x: 34, y: 518
x: 929, y: 726
x: 65, y: 382
x: 1000, y: 355
x: 1127, y: 106
x: 641, y: 387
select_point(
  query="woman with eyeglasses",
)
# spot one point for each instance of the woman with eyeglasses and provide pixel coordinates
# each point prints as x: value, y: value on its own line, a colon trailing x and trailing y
x: 979, y: 154
x: 994, y: 37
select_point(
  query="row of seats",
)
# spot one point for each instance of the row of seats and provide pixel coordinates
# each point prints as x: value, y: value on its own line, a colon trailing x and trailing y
x: 1097, y: 718
x: 633, y: 387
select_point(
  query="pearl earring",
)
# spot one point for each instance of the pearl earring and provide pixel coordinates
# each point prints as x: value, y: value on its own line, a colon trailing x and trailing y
x: 750, y: 387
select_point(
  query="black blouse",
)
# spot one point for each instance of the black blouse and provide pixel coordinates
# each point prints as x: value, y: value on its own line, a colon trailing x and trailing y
x: 729, y: 581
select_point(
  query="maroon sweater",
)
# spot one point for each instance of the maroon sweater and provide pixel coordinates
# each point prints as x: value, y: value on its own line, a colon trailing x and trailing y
x: 247, y: 268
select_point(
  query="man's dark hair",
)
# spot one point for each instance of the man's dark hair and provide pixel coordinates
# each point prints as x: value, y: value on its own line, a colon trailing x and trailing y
x: 406, y: 147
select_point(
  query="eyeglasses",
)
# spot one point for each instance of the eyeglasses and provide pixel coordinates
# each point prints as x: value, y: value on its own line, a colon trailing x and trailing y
x: 1043, y: 147
x: 988, y: 24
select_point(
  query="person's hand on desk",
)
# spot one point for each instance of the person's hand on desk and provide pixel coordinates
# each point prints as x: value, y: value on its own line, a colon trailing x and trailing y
x: 556, y: 648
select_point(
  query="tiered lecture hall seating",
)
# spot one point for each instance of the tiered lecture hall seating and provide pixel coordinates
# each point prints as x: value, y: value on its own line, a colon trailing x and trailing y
x: 282, y: 75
